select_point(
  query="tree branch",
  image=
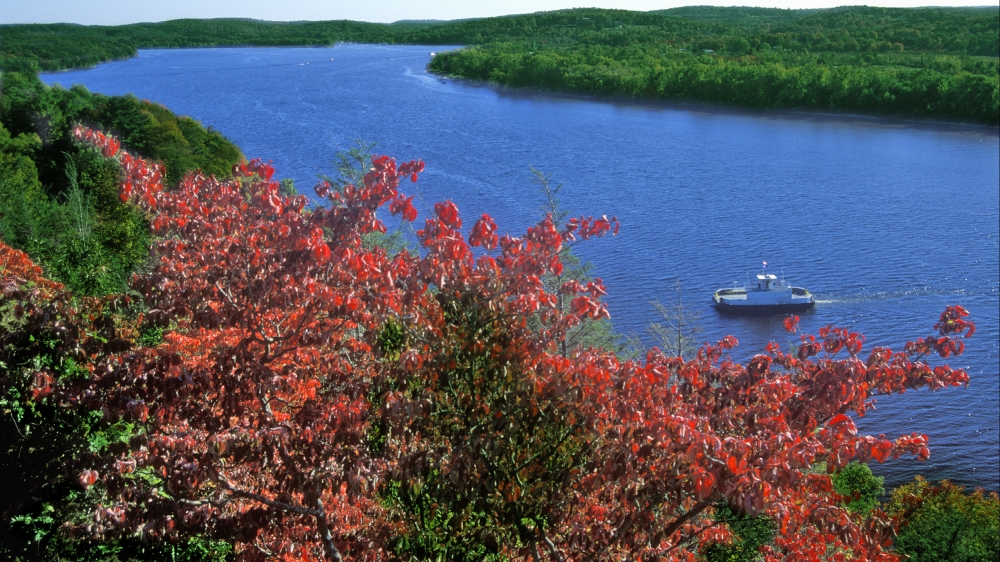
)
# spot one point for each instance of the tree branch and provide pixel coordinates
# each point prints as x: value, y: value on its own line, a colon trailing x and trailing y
x: 198, y: 503
x: 551, y: 546
x: 534, y: 551
x: 329, y: 548
x: 692, y: 537
x: 672, y: 528
x: 266, y: 501
x: 324, y: 529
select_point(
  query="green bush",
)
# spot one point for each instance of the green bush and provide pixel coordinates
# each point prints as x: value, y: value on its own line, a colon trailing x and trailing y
x: 941, y: 523
x: 59, y: 200
x: 861, y: 488
x: 751, y: 532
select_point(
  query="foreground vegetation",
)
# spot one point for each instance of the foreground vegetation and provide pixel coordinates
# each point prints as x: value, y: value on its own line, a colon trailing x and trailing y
x: 60, y: 202
x: 926, y: 62
x: 285, y: 382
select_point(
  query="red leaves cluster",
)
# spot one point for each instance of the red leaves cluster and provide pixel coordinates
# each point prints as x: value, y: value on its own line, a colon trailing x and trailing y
x: 484, y: 233
x: 589, y: 227
x: 108, y: 145
x: 20, y: 272
x: 952, y: 322
x: 749, y: 433
x: 257, y: 408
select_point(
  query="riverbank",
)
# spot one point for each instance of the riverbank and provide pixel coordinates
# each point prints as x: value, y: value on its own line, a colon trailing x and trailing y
x: 759, y: 81
x: 710, y: 108
x: 935, y: 63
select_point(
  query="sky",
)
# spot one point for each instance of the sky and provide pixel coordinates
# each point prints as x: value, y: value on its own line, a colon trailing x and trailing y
x: 110, y: 12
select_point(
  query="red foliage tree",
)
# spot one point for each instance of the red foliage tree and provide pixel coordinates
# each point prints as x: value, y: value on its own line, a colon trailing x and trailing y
x: 313, y: 396
x: 682, y: 436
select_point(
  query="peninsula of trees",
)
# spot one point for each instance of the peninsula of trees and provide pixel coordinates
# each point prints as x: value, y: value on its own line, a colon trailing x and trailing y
x: 914, y: 62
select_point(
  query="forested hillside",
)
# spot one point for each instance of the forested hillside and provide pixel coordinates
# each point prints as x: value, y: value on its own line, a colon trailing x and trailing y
x: 59, y: 201
x: 61, y: 46
x: 931, y: 62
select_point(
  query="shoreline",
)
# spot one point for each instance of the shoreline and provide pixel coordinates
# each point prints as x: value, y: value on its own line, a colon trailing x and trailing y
x: 625, y: 101
x: 830, y: 116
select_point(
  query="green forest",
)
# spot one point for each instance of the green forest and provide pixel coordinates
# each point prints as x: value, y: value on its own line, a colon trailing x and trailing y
x: 907, y: 62
x: 918, y: 62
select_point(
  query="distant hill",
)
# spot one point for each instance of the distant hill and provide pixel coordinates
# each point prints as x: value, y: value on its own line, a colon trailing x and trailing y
x: 736, y: 15
x: 913, y: 61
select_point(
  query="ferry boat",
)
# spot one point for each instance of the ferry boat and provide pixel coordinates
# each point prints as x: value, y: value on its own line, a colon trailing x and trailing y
x: 768, y: 295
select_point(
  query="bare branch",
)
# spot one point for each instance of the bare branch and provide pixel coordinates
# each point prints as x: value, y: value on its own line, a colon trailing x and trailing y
x: 551, y: 546
x: 329, y: 548
x: 692, y: 537
x: 266, y: 501
x: 672, y: 528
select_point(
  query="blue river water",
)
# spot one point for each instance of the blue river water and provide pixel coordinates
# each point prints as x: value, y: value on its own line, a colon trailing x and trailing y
x: 887, y: 222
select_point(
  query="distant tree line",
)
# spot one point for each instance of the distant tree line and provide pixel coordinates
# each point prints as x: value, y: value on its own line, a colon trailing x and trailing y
x: 935, y: 62
x: 762, y: 80
x: 47, y: 47
x: 908, y: 62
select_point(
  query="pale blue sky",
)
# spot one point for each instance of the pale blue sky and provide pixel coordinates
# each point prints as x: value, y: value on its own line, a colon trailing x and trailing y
x: 111, y: 12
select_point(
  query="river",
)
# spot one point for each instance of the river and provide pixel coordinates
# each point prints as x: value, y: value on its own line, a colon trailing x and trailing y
x: 886, y: 221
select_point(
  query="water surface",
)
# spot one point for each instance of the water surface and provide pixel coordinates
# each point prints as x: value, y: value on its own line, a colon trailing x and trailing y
x: 887, y: 222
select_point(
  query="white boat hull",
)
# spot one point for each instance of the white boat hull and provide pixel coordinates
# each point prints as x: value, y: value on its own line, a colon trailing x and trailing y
x: 751, y: 301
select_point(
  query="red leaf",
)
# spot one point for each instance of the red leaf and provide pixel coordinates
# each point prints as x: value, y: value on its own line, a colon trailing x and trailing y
x: 87, y: 478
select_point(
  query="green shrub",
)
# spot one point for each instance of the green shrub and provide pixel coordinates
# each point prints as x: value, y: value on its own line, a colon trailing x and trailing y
x: 751, y: 532
x: 941, y: 523
x: 59, y: 200
x: 861, y: 488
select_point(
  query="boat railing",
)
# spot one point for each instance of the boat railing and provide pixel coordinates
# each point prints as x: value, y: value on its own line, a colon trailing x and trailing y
x: 731, y: 291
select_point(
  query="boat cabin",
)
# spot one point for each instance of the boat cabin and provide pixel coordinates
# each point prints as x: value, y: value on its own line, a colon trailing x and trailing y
x: 769, y: 282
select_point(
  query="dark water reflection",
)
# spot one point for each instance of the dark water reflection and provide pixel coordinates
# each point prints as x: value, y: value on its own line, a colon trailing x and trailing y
x: 887, y: 222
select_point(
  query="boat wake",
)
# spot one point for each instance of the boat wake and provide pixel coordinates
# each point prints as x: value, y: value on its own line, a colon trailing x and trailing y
x: 904, y: 294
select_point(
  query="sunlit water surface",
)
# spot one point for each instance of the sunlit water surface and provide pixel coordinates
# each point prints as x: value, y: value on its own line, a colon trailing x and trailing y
x: 887, y: 222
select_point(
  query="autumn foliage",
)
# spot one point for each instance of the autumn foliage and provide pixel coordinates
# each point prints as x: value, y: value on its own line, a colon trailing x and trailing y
x: 314, y: 396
